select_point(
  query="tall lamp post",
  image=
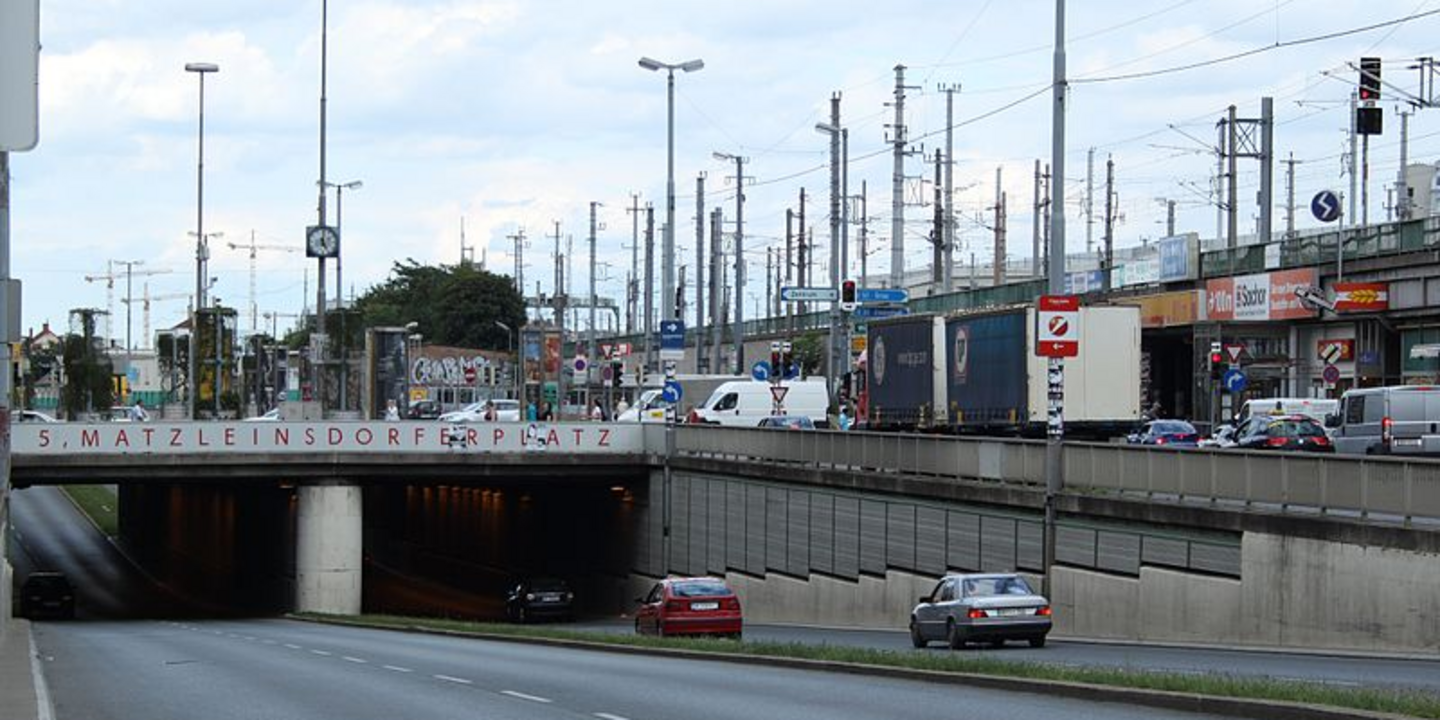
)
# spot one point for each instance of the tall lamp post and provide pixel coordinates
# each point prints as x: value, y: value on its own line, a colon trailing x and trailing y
x: 202, y: 248
x: 667, y: 254
x: 509, y: 347
x: 340, y: 189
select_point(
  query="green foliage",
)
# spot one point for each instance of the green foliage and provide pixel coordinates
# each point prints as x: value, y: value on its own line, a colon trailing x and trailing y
x: 88, y: 384
x: 230, y: 401
x: 43, y: 363
x: 452, y: 305
x: 809, y: 352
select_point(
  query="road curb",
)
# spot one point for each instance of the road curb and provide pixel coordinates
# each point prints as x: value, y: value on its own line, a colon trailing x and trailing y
x: 1159, y: 699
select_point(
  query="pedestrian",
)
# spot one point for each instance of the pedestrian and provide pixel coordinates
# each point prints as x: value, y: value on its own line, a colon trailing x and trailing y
x: 392, y: 411
x: 546, y: 414
x: 845, y: 419
x: 490, y: 414
x: 597, y: 413
x: 530, y: 414
x: 138, y: 413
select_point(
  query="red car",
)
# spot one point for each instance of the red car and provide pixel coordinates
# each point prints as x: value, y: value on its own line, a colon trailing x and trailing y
x: 689, y: 606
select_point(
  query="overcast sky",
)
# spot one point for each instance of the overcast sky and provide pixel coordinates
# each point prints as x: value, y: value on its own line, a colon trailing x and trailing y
x: 512, y: 113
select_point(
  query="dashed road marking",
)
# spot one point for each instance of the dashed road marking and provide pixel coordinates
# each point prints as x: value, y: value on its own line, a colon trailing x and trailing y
x: 397, y: 668
x: 449, y: 678
x: 322, y: 652
x: 608, y: 716
x: 353, y: 659
x: 293, y: 646
x: 523, y: 696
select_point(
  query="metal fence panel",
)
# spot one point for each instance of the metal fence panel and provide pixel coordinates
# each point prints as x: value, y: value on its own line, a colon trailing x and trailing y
x: 716, y: 525
x: 997, y: 538
x: 1424, y: 491
x: 1075, y: 546
x: 847, y: 537
x: 822, y: 532
x: 1030, y: 539
x: 900, y: 535
x: 1219, y: 559
x: 757, y: 529
x: 776, y: 529
x: 962, y: 541
x: 872, y: 537
x: 930, y: 540
x: 1118, y: 552
x: 1170, y: 552
x: 735, y: 529
x: 798, y: 544
x: 679, y: 559
x: 1384, y: 487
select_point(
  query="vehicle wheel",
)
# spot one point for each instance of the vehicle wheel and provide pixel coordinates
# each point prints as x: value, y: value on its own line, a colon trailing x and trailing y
x: 916, y: 638
x: 1037, y: 642
x: 953, y: 636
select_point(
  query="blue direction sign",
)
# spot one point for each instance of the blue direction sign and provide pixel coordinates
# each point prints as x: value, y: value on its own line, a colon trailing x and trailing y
x: 672, y: 392
x: 876, y: 312
x: 1326, y: 206
x: 792, y: 371
x: 809, y: 294
x: 882, y: 295
x: 760, y: 371
x: 1234, y: 381
x: 672, y: 340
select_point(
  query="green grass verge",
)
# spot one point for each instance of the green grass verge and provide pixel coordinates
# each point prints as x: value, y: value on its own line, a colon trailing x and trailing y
x: 99, y: 502
x: 1415, y: 704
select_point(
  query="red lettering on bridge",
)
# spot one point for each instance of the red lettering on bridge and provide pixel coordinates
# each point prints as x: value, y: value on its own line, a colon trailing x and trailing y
x: 200, y: 438
x: 578, y: 433
x: 498, y: 435
x: 174, y: 437
x: 604, y: 437
x: 309, y: 436
x: 282, y: 436
x: 394, y: 436
x: 149, y: 432
x: 364, y: 436
x: 122, y: 439
x: 89, y: 438
x: 229, y: 437
x: 335, y: 436
x: 553, y: 439
x: 44, y: 438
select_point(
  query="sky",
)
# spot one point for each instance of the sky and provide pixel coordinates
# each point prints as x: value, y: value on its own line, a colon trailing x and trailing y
x: 506, y: 114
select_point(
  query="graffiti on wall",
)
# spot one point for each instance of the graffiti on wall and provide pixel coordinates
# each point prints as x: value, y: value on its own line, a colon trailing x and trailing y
x: 448, y: 371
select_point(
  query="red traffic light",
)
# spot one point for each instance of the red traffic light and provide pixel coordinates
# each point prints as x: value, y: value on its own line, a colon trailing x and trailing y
x: 1370, y: 78
x: 1216, y: 358
x: 847, y: 292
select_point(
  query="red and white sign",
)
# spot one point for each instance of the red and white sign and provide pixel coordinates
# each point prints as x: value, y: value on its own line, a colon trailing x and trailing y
x: 1362, y: 297
x: 1234, y: 350
x: 778, y: 393
x: 469, y: 374
x: 1261, y: 297
x: 1057, y: 331
x: 1333, y: 351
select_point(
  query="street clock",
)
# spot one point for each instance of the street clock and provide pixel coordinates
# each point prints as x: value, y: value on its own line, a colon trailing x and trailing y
x: 321, y: 241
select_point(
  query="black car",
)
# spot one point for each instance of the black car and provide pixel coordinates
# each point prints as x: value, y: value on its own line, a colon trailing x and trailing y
x: 47, y: 594
x: 1166, y: 433
x: 1283, y: 432
x: 540, y: 598
x: 422, y: 410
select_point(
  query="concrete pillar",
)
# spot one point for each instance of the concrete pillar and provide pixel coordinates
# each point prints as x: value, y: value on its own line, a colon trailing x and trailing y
x: 328, y: 549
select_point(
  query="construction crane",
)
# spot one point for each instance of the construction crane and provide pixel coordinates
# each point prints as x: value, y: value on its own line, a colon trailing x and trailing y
x: 110, y: 276
x: 146, y: 298
x: 253, y: 247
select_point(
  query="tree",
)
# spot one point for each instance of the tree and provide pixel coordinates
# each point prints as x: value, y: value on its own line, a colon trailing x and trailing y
x: 88, y: 373
x: 452, y: 305
x: 809, y: 350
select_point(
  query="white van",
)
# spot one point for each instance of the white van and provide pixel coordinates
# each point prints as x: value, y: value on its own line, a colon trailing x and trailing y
x: 746, y: 403
x: 1316, y: 409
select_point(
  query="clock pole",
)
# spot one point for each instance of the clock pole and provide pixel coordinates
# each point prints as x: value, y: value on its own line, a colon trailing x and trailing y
x: 318, y: 348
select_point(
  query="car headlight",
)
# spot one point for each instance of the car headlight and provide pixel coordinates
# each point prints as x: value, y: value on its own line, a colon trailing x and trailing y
x: 529, y: 596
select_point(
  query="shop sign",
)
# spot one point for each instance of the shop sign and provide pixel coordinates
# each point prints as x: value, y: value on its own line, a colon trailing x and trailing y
x: 1167, y: 309
x: 1260, y: 297
x: 1333, y: 351
x: 1178, y: 257
x: 1138, y: 271
x: 1362, y: 297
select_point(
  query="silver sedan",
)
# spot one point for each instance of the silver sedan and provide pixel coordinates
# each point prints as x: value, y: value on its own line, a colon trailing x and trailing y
x: 985, y: 608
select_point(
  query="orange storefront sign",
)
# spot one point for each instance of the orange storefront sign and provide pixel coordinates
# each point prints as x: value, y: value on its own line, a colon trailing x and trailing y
x: 1167, y: 309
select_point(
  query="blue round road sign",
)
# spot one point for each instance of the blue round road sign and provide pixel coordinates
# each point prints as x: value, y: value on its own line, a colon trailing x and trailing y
x: 1234, y: 381
x: 760, y: 371
x: 1325, y: 206
x: 672, y: 392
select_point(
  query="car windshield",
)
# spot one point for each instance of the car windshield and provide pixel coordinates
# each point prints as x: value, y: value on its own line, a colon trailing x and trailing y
x: 700, y: 588
x: 1172, y: 427
x: 548, y: 585
x: 1004, y: 585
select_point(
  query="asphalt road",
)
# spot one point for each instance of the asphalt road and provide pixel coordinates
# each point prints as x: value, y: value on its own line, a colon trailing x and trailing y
x: 163, y: 670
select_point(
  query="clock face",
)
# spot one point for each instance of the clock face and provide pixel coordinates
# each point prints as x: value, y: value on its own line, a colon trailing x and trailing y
x: 321, y: 241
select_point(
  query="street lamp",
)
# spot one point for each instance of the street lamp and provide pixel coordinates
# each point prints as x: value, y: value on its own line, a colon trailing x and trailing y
x: 667, y: 279
x: 202, y: 250
x: 509, y: 347
x: 340, y: 188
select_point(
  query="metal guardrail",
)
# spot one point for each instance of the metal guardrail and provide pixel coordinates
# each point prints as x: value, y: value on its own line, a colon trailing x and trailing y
x: 1381, y: 489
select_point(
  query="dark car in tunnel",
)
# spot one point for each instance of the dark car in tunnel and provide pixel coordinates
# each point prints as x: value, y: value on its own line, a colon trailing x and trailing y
x: 47, y: 594
x: 541, y: 598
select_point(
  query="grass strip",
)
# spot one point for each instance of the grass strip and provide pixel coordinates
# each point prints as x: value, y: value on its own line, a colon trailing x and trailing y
x: 1399, y: 702
x: 100, y: 503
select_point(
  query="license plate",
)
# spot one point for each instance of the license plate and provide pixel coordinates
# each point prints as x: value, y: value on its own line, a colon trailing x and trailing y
x: 705, y: 606
x: 1407, y: 442
x: 1010, y: 612
x: 550, y: 597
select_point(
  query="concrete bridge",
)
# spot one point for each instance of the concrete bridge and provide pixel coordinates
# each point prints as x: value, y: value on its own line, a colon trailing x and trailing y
x: 818, y: 527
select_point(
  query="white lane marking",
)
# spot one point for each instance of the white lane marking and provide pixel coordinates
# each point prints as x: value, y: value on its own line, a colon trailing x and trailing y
x: 321, y: 652
x: 397, y: 668
x: 249, y: 638
x: 448, y: 678
x: 523, y: 696
x: 608, y: 716
x: 43, y: 705
x: 293, y: 646
x: 349, y: 658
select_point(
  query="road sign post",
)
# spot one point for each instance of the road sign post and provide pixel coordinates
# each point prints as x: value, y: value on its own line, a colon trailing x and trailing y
x: 809, y: 294
x: 672, y: 340
x: 1057, y: 336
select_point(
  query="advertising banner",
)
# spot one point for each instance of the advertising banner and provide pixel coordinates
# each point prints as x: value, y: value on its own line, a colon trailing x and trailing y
x: 1167, y: 309
x: 1260, y: 297
x: 1362, y: 297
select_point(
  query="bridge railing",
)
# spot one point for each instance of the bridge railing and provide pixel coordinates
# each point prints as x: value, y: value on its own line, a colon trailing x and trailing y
x: 1382, y: 488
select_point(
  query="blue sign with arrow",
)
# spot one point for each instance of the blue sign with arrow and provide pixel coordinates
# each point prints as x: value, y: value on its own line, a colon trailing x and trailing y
x: 1234, y: 381
x: 880, y: 311
x: 672, y: 340
x: 760, y: 371
x: 1326, y: 206
x: 882, y: 295
x: 672, y: 392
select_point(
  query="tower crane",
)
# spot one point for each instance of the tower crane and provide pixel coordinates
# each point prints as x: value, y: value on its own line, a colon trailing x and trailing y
x: 253, y: 247
x: 110, y: 276
x: 146, y: 298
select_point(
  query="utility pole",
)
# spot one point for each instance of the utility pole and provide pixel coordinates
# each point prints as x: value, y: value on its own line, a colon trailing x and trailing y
x: 1170, y: 216
x: 632, y: 297
x: 1354, y: 156
x: 1402, y: 191
x: 803, y: 258
x: 897, y: 198
x: 1045, y: 208
x: 998, y: 264
x: 739, y: 326
x: 1035, y: 226
x: 590, y: 354
x: 717, y: 286
x: 700, y: 364
x: 1107, y: 278
x: 769, y: 280
x: 864, y: 236
x: 1089, y: 200
x: 649, y: 300
x: 1289, y: 197
x: 1232, y: 219
x: 519, y: 239
x: 949, y: 225
x: 1267, y: 168
x: 937, y: 232
x: 833, y: 366
x: 129, y: 299
x: 1055, y: 273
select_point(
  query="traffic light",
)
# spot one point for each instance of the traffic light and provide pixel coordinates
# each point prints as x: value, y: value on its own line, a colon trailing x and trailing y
x: 777, y: 369
x: 787, y: 359
x: 847, y: 295
x: 617, y: 373
x: 1369, y: 79
x: 1217, y: 361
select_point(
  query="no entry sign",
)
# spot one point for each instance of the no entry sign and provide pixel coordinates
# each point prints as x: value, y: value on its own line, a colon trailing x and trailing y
x: 1057, y: 326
